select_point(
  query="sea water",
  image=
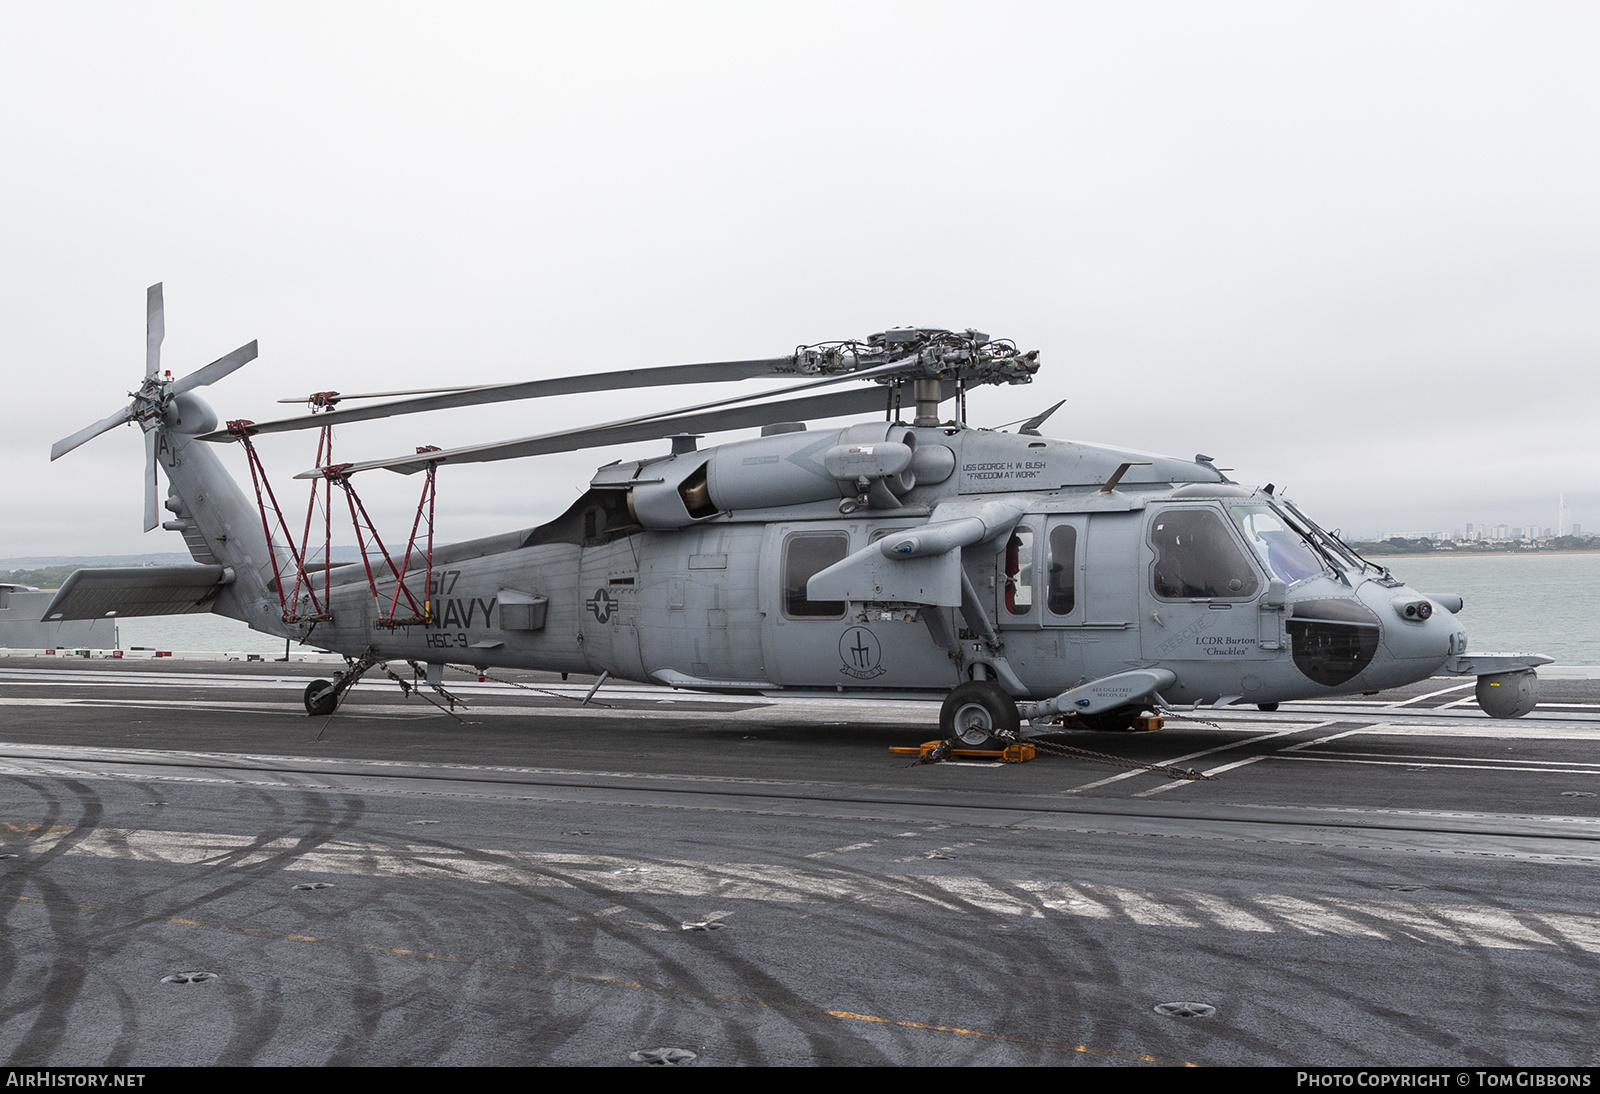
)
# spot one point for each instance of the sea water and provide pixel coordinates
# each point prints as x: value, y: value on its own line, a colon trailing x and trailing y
x: 1545, y: 603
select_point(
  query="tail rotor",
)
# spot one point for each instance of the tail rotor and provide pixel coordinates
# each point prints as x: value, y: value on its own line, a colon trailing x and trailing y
x: 155, y: 395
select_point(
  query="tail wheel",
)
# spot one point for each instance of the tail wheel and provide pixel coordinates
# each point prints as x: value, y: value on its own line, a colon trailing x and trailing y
x: 979, y: 714
x: 320, y: 698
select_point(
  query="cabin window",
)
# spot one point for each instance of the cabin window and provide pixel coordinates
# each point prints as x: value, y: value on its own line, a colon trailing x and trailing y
x: 1061, y: 587
x: 1197, y: 558
x: 806, y: 554
x: 1018, y: 564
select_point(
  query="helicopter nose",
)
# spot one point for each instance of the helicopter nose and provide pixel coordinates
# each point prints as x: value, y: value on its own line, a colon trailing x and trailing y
x: 1414, y: 629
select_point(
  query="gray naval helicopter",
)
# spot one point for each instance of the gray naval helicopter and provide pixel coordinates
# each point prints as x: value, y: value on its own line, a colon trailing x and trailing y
x: 1017, y: 576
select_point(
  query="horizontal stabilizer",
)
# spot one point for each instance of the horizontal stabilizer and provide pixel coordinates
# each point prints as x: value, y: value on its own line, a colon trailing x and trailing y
x: 137, y: 590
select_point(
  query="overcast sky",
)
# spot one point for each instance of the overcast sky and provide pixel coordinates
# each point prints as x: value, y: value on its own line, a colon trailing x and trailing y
x: 1350, y: 249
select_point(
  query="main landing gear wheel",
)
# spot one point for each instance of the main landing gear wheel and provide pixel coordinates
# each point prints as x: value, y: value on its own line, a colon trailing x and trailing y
x: 1119, y: 720
x: 979, y: 715
x: 321, y: 699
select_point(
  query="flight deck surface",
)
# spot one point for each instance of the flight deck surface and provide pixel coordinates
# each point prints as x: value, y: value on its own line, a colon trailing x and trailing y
x: 1393, y: 879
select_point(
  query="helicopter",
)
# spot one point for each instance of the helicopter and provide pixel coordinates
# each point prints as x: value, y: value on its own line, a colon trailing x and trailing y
x: 1014, y: 576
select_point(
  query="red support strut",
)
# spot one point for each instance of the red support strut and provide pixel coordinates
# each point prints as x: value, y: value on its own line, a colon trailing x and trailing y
x: 421, y: 613
x: 419, y: 543
x: 258, y: 479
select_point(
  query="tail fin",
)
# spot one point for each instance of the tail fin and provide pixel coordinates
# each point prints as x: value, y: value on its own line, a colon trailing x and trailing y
x: 219, y: 524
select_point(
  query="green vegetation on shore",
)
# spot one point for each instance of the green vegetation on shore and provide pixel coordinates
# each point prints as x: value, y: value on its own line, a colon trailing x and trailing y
x: 1398, y: 545
x: 45, y: 577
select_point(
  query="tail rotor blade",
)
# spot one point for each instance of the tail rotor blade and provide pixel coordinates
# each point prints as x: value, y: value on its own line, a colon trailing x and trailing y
x: 215, y: 371
x: 67, y: 444
x: 155, y: 329
x: 151, y: 514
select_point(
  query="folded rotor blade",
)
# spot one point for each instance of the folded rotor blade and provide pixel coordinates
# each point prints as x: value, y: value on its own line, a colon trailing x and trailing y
x: 828, y: 405
x: 711, y: 421
x: 661, y: 424
x: 151, y: 516
x: 387, y: 394
x: 155, y: 329
x: 67, y: 444
x: 215, y: 371
x: 666, y: 375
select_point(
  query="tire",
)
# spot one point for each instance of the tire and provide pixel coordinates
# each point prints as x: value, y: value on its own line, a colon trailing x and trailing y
x: 320, y: 699
x: 1119, y: 720
x: 1268, y: 707
x: 975, y: 712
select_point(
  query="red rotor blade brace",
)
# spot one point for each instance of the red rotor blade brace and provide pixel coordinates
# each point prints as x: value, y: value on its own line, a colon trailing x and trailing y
x: 311, y: 608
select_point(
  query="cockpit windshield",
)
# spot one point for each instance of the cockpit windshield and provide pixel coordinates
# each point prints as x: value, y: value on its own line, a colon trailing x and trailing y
x: 1282, y: 550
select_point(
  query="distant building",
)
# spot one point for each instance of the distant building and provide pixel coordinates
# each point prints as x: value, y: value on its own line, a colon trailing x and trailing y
x: 21, y: 628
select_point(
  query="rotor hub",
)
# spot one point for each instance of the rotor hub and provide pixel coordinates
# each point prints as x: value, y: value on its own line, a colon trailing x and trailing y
x: 923, y: 353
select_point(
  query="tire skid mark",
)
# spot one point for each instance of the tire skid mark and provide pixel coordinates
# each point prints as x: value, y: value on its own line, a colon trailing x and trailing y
x: 612, y: 876
x: 1010, y: 972
x: 64, y: 977
x: 108, y: 932
x: 663, y: 954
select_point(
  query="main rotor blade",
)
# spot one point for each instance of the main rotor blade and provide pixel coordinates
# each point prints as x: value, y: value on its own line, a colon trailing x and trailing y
x: 151, y: 516
x: 665, y: 375
x: 215, y: 371
x: 67, y: 444
x: 387, y: 394
x: 155, y: 329
x: 682, y: 416
x: 828, y: 405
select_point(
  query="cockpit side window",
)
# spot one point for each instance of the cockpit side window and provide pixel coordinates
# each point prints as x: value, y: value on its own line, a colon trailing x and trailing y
x: 1280, y: 548
x: 1196, y: 557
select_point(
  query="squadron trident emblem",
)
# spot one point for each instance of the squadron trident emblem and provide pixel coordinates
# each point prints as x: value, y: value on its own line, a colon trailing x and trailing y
x: 860, y: 652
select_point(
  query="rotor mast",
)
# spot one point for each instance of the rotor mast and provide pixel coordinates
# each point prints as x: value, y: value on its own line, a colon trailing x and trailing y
x: 928, y: 393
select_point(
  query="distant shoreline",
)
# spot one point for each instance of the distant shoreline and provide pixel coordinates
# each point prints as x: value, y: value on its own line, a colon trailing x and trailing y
x: 1474, y: 553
